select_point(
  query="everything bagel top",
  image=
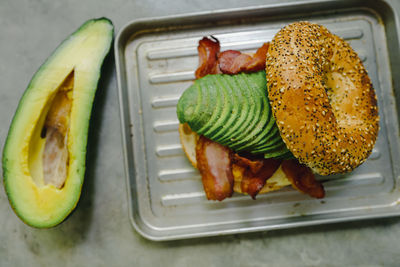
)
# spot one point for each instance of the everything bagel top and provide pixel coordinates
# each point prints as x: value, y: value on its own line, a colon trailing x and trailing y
x: 322, y: 98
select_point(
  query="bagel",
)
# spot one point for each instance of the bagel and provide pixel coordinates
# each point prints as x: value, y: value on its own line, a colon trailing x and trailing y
x: 189, y: 139
x: 322, y: 98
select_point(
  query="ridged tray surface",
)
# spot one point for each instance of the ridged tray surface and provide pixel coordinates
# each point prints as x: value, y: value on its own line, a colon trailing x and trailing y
x: 167, y: 196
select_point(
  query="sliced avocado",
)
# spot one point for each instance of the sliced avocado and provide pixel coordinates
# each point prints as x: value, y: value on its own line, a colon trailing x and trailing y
x: 196, y: 111
x: 267, y: 148
x: 287, y: 155
x: 254, y: 112
x: 244, y: 113
x: 260, y: 140
x: 214, y: 104
x: 259, y: 132
x: 45, y: 150
x: 223, y: 110
x: 240, y: 118
x: 279, y: 153
x: 234, y: 116
x: 189, y: 103
x: 270, y: 149
x: 229, y: 109
x: 247, y: 141
x: 269, y: 131
x: 271, y: 139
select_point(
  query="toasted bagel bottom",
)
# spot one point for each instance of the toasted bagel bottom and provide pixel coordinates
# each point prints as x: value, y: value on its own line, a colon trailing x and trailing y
x: 188, y: 140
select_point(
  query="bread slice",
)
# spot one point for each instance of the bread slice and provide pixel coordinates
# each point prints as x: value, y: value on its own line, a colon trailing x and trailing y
x: 189, y: 139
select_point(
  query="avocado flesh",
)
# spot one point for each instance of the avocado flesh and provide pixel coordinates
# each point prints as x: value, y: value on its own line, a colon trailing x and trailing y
x: 216, y: 102
x: 45, y: 150
x: 237, y: 117
x: 227, y: 110
x: 241, y: 119
x: 199, y: 105
x: 256, y: 107
x: 244, y: 95
x: 259, y: 130
x: 273, y: 139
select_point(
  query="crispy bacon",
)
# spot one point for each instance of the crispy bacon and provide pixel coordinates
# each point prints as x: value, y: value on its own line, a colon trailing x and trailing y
x: 233, y: 62
x: 248, y: 161
x: 214, y: 162
x: 208, y: 54
x: 257, y: 172
x: 211, y: 61
x: 259, y: 59
x: 302, y: 178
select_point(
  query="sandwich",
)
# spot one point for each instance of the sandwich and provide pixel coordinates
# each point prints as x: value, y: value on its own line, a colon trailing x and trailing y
x: 301, y: 105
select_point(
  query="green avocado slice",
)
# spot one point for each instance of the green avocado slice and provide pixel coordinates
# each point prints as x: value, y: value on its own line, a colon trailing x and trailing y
x: 200, y: 112
x: 268, y: 148
x: 229, y: 117
x: 216, y: 103
x: 243, y: 113
x: 251, y: 101
x: 278, y: 153
x: 218, y: 121
x: 259, y: 132
x: 255, y: 111
x: 190, y: 103
x: 45, y: 150
x: 260, y: 118
x: 287, y: 155
x: 271, y: 139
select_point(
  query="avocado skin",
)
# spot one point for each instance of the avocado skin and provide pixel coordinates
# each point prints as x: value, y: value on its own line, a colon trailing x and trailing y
x: 8, y: 156
x: 240, y: 118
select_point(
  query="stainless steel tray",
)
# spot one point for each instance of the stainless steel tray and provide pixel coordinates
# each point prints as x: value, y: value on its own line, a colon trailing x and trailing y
x: 156, y: 59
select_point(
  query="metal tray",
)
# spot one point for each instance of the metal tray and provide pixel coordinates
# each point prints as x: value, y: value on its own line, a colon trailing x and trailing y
x: 156, y: 59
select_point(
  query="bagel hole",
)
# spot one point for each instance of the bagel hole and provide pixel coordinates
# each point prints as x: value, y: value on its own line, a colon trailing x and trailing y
x: 341, y: 93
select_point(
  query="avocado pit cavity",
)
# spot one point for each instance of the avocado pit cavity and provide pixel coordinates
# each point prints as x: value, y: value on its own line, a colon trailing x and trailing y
x: 56, y: 126
x: 49, y: 156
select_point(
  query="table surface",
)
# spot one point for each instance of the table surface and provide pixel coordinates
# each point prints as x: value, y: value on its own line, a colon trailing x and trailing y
x: 98, y: 232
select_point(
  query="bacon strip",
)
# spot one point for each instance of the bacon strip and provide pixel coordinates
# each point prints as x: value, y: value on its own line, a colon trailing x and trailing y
x: 302, y: 178
x: 259, y: 59
x: 233, y: 62
x: 211, y: 61
x: 248, y: 161
x: 214, y: 162
x: 257, y: 172
x: 208, y: 54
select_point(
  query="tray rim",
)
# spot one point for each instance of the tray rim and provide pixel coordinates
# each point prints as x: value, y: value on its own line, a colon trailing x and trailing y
x: 120, y: 42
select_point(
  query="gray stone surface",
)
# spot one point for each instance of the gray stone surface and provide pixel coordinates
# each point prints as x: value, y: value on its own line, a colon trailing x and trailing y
x: 99, y: 233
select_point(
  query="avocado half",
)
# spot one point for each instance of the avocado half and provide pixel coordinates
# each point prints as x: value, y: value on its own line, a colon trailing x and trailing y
x: 45, y: 150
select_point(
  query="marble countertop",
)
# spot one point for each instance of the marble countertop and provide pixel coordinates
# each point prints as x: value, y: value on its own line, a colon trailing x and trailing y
x: 98, y: 232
